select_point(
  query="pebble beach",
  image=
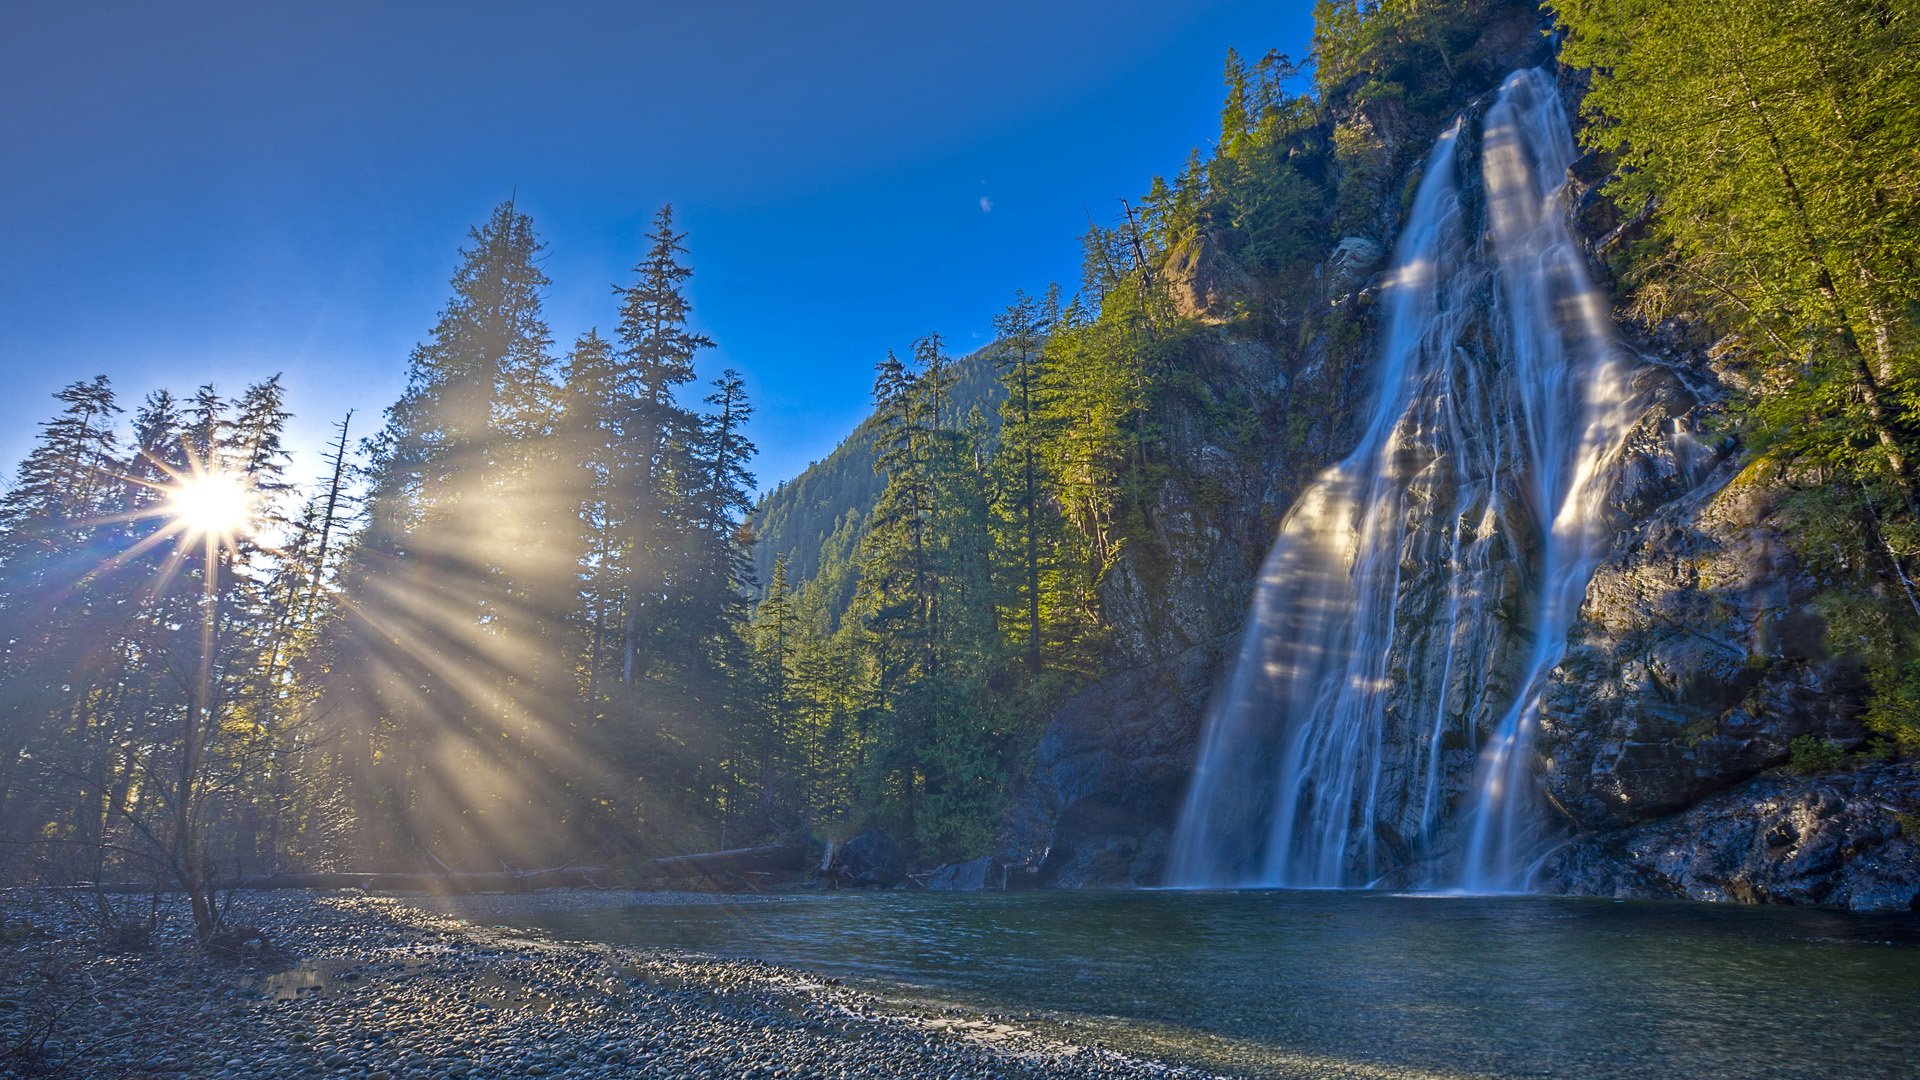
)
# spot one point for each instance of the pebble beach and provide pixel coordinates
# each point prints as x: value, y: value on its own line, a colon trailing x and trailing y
x: 386, y: 986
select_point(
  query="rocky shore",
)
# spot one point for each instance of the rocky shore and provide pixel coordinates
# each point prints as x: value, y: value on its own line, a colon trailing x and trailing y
x: 377, y: 986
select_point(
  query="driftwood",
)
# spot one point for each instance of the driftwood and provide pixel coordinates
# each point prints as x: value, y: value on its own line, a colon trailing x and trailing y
x: 740, y: 864
x: 566, y: 877
x: 751, y: 868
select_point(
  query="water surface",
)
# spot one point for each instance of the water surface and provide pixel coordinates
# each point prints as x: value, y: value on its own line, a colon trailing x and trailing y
x: 1353, y: 983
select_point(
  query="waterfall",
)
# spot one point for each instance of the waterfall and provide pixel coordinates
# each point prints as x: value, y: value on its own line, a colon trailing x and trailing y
x: 1380, y: 711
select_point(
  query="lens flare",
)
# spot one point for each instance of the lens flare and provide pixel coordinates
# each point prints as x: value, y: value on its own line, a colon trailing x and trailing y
x: 216, y: 505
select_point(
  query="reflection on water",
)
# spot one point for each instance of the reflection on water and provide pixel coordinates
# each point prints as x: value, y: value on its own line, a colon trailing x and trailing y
x: 1282, y: 982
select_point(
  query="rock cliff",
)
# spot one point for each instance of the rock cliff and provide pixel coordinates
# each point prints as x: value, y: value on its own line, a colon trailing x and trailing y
x: 1698, y: 657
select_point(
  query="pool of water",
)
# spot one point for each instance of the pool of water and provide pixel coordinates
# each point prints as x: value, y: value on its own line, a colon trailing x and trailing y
x: 1286, y: 983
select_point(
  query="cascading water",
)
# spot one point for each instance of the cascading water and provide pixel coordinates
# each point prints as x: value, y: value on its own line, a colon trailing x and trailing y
x: 1387, y: 684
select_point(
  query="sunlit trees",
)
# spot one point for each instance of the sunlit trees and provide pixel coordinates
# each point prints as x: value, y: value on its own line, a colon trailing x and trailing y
x: 713, y: 589
x: 58, y: 636
x: 447, y: 666
x: 655, y: 357
x: 1771, y: 149
x: 589, y: 443
x: 1022, y: 502
x: 224, y: 738
x: 660, y: 494
x: 1775, y: 150
x: 139, y: 607
x: 925, y: 615
x: 202, y: 686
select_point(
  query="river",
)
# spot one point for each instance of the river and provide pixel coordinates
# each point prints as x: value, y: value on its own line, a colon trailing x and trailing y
x: 1351, y: 983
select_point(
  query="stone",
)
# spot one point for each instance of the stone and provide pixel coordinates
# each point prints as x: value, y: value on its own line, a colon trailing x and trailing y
x: 871, y: 859
x: 1697, y: 660
x: 1353, y: 261
x: 977, y: 875
x: 1831, y: 840
x: 1206, y: 285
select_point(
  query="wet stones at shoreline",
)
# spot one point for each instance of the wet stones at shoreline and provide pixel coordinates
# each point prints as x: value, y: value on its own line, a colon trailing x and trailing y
x: 380, y: 986
x: 1836, y: 840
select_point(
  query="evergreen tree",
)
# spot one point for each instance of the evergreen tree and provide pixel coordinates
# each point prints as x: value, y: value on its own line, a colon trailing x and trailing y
x: 655, y: 358
x: 58, y: 634
x: 449, y: 667
x: 590, y: 440
x: 1021, y: 499
x: 926, y: 616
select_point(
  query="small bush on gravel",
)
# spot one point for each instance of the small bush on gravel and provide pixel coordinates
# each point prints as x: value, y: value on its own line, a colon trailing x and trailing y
x: 33, y: 969
x: 240, y: 943
x: 118, y: 927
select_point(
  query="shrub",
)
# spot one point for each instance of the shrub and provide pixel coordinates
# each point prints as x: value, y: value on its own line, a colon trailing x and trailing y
x: 1909, y: 823
x: 1813, y: 754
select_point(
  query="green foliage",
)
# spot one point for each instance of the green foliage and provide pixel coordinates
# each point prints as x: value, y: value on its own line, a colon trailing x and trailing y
x: 1419, y: 53
x: 538, y: 647
x: 1813, y: 754
x: 1770, y: 148
x: 1908, y: 822
x: 934, y: 697
x: 145, y: 656
x: 804, y: 518
x: 1024, y: 519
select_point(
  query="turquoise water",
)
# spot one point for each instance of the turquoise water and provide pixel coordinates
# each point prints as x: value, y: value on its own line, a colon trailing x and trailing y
x: 1285, y: 983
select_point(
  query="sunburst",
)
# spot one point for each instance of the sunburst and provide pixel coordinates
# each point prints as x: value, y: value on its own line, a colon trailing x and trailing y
x: 215, y: 507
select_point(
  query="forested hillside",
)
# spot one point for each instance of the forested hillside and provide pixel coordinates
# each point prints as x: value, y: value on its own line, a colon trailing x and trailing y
x: 814, y: 517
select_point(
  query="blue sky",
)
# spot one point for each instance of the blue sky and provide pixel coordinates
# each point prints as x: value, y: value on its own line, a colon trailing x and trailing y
x: 204, y: 192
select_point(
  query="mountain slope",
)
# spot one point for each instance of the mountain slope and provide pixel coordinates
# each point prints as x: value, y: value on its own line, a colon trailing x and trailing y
x: 818, y: 514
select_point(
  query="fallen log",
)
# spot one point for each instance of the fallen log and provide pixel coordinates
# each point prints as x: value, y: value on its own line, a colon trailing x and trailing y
x: 734, y: 864
x: 564, y: 877
x: 751, y: 867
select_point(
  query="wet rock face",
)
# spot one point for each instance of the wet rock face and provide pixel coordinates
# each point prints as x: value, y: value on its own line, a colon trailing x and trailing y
x: 1211, y: 518
x: 1835, y: 840
x: 1698, y: 659
x: 1353, y: 262
x: 1109, y: 776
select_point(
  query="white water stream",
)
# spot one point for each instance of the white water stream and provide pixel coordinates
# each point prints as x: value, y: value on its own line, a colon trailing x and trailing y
x: 1380, y: 713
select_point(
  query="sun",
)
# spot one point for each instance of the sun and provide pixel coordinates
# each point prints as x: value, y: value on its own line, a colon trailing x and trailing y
x: 217, y: 505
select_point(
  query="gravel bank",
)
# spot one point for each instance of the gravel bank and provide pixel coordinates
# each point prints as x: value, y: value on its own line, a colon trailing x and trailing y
x: 381, y: 986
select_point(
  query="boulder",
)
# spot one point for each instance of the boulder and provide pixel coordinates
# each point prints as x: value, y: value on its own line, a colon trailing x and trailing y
x: 977, y: 875
x: 1353, y: 261
x: 1205, y: 284
x: 1842, y: 839
x: 1697, y: 660
x: 871, y: 859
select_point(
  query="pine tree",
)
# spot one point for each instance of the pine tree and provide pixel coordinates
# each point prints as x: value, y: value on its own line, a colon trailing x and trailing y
x: 924, y: 613
x: 59, y: 630
x: 449, y: 664
x: 1021, y: 498
x: 591, y: 404
x: 1237, y: 115
x: 654, y: 359
x: 778, y: 744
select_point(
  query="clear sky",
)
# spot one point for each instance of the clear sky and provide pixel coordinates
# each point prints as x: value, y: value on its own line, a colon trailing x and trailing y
x: 198, y: 192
